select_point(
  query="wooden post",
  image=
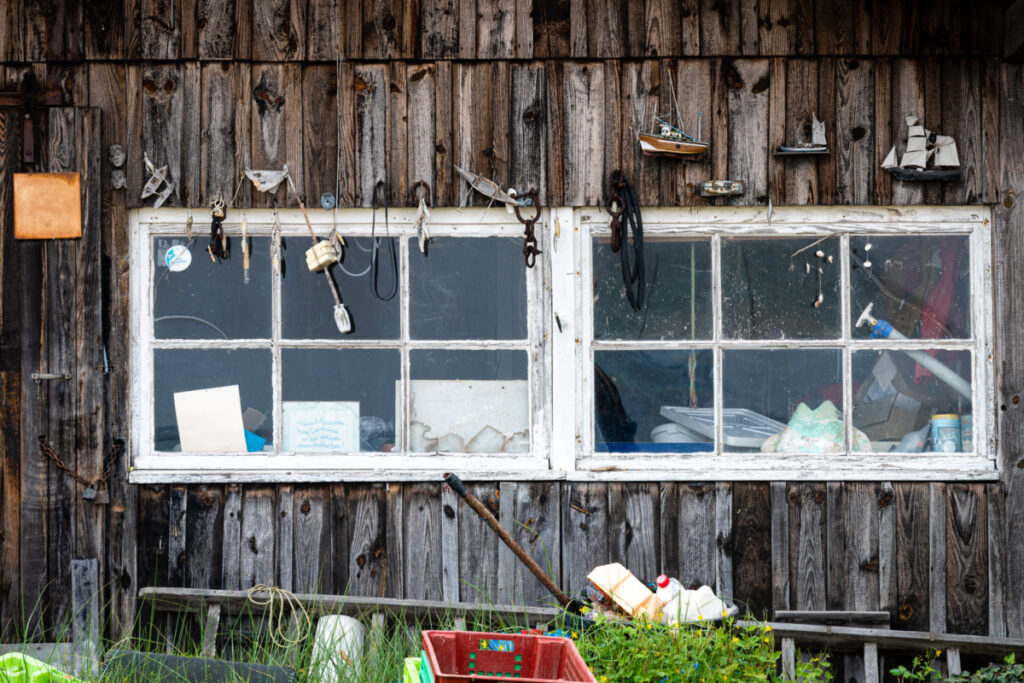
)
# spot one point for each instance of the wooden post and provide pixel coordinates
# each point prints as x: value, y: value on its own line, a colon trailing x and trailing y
x: 871, y: 663
x: 788, y: 659
x: 210, y: 629
x: 85, y: 619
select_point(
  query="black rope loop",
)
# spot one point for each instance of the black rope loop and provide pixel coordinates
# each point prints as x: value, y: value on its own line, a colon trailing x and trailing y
x: 628, y: 221
x: 389, y: 246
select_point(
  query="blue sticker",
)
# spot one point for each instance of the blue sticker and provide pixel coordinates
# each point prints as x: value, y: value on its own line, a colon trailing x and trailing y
x: 497, y: 646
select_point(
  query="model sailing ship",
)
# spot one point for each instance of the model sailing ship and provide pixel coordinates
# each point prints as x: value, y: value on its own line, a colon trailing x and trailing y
x: 817, y: 145
x: 670, y: 140
x: 928, y: 156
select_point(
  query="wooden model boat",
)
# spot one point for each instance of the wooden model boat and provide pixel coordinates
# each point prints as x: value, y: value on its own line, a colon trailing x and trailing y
x: 669, y: 140
x: 927, y: 156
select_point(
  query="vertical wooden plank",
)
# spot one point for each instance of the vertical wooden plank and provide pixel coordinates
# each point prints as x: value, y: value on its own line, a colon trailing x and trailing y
x: 218, y: 29
x: 422, y: 99
x: 781, y: 582
x: 439, y: 29
x: 256, y: 554
x: 601, y: 29
x: 689, y: 14
x: 887, y: 575
x: 533, y: 520
x: 886, y: 132
x: 445, y: 180
x: 962, y: 118
x: 371, y: 125
x: 555, y: 177
x: 160, y: 29
x: 103, y: 31
x: 997, y: 551
x: 640, y: 89
x: 176, y: 535
x: 313, y: 558
x: 693, y: 93
x: 668, y: 503
x: 165, y: 99
x: 232, y: 552
x: 718, y: 122
x: 274, y: 112
x: 862, y: 543
x: 11, y: 34
x: 367, y: 532
x: 886, y: 27
x: 805, y: 33
x: 474, y: 125
x: 724, y: 540
x: 661, y: 22
x: 225, y: 132
x: 749, y: 83
x: 617, y: 124
x: 278, y: 30
x: 422, y: 537
x: 152, y: 544
x: 827, y: 112
x: 284, y: 537
x: 450, y: 547
x: 801, y: 105
x: 990, y: 129
x: 910, y: 503
x: 932, y: 118
x: 337, y: 547
x: 467, y: 29
x: 552, y: 31
x: 190, y: 130
x: 752, y: 547
x: 479, y: 546
x: 320, y: 131
x: 834, y: 28
x: 528, y: 129
x: 836, y: 550
x: 907, y: 99
x: 776, y: 129
x: 719, y: 28
x: 810, y: 550
x: 386, y: 31
x: 966, y: 559
x: 854, y: 137
x: 776, y: 30
x: 323, y: 30
x: 937, y: 557
x: 495, y: 29
x: 748, y: 28
x: 204, y: 537
x: 134, y: 98
x: 85, y: 612
x: 634, y: 533
x: 501, y: 105
x: 696, y: 535
x: 396, y: 135
x: 583, y: 132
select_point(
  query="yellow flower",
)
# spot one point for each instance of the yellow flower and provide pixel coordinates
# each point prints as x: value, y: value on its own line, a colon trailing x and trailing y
x: 574, y: 634
x: 767, y: 628
x: 584, y: 610
x: 735, y: 639
x: 604, y: 679
x: 700, y: 617
x: 649, y: 625
x: 724, y: 613
x: 938, y: 652
x: 767, y: 640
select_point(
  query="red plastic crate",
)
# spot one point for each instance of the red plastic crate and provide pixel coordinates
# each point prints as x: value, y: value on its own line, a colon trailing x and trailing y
x: 458, y: 656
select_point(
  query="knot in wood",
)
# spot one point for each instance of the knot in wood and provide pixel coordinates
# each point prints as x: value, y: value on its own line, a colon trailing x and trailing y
x: 884, y: 498
x: 449, y: 511
x: 905, y: 612
x: 305, y: 508
x: 970, y: 584
x: 387, y: 22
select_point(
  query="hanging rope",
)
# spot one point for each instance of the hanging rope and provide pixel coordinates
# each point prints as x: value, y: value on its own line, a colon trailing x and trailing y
x: 278, y: 601
x: 633, y: 277
x: 389, y: 245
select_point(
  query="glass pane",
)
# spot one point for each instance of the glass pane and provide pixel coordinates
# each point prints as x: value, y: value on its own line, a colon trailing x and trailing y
x: 469, y: 401
x: 468, y: 288
x: 307, y: 305
x: 195, y: 298
x: 919, y: 285
x: 678, y: 291
x: 913, y: 401
x: 786, y: 400
x: 780, y: 288
x: 178, y: 370
x: 651, y: 401
x: 339, y: 399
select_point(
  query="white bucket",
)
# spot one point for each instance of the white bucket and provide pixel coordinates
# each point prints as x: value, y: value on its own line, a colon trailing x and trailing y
x: 337, y: 649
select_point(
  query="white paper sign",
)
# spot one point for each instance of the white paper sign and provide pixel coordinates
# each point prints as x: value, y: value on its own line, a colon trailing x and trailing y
x: 210, y: 420
x: 320, y: 426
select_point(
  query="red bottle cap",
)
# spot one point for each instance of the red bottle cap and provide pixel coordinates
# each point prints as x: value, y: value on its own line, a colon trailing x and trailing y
x: 662, y: 581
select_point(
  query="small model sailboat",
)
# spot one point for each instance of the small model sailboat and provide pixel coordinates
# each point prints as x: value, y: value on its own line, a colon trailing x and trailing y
x: 928, y: 156
x: 670, y: 140
x: 817, y: 145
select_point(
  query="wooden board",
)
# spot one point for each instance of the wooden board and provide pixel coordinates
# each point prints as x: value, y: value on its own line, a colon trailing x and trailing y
x: 311, y: 532
x: 633, y: 530
x: 966, y: 559
x: 530, y: 512
x: 807, y: 544
x: 478, y: 546
x: 911, y: 526
x: 752, y: 547
x: 367, y: 558
x: 696, y: 544
x: 204, y: 536
x: 587, y: 527
x: 422, y: 557
x: 256, y: 552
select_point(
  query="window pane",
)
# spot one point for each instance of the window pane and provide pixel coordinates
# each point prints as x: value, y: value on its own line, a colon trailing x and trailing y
x: 905, y: 398
x: 468, y: 288
x: 769, y: 291
x: 469, y: 401
x: 178, y: 370
x: 339, y: 399
x: 678, y: 291
x: 644, y: 400
x: 207, y: 300
x: 919, y: 285
x: 307, y: 305
x: 797, y: 393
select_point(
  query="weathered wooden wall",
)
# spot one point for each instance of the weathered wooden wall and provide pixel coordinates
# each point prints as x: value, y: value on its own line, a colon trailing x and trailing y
x: 544, y: 97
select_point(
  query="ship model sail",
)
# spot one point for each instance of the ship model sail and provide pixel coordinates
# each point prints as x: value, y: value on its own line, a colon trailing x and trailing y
x: 927, y: 156
x: 668, y: 139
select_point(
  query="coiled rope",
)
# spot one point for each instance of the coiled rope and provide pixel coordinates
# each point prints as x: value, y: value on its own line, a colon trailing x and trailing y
x: 280, y: 602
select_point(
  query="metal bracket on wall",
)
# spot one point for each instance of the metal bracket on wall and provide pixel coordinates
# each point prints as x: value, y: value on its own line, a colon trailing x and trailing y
x: 49, y: 376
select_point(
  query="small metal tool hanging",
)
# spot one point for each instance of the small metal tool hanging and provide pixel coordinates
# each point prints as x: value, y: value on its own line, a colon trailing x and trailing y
x: 218, y: 246
x: 157, y: 179
x: 422, y: 214
x: 245, y: 250
x: 530, y: 249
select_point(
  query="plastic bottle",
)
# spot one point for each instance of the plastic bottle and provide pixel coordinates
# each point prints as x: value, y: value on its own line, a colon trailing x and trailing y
x: 913, y: 442
x: 667, y: 588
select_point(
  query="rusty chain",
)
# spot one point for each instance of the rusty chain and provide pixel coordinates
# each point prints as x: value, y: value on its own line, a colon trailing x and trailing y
x: 108, y: 463
x: 530, y: 249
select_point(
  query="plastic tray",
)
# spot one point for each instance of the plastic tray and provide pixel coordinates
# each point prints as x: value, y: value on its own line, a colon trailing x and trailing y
x: 741, y: 428
x: 457, y: 656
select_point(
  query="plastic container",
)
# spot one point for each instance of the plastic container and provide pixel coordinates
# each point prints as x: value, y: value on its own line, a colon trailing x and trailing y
x: 426, y: 675
x: 411, y: 670
x: 667, y: 588
x: 18, y: 668
x: 456, y: 656
x: 337, y: 646
x: 946, y: 433
x: 967, y: 433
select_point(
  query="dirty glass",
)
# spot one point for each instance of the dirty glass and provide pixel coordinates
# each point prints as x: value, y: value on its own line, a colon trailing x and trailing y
x: 357, y: 385
x: 795, y: 393
x: 913, y: 401
x: 921, y: 285
x: 307, y: 304
x: 644, y: 401
x: 781, y: 288
x: 678, y: 291
x: 190, y: 369
x: 196, y: 298
x: 467, y: 288
x: 468, y: 401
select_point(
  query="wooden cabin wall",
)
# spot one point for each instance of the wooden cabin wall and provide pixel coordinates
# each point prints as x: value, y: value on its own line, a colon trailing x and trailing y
x: 544, y: 97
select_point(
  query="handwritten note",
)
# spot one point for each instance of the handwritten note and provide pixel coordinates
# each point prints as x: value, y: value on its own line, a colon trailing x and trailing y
x: 320, y: 426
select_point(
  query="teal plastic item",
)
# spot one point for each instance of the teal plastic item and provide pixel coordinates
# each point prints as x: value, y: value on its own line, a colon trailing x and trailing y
x: 16, y: 667
x: 254, y: 443
x: 426, y: 675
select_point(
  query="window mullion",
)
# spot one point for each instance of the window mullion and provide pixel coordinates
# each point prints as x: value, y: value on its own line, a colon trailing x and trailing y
x: 403, y: 399
x: 844, y: 299
x: 716, y: 312
x: 276, y: 369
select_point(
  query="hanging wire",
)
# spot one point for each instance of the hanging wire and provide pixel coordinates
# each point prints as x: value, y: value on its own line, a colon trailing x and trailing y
x: 389, y: 245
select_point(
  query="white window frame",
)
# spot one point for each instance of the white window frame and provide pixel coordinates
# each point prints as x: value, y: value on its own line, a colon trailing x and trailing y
x: 561, y: 346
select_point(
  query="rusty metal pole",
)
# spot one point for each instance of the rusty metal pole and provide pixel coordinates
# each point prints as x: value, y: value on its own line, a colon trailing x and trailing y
x: 456, y: 484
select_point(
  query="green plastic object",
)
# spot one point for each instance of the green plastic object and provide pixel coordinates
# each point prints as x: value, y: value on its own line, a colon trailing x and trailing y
x: 18, y: 668
x: 426, y: 675
x: 412, y: 670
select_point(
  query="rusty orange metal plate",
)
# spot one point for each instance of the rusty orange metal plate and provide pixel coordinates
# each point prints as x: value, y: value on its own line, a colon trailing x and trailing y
x: 47, y: 206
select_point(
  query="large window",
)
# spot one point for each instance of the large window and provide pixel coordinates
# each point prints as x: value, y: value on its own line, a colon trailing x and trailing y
x: 823, y: 344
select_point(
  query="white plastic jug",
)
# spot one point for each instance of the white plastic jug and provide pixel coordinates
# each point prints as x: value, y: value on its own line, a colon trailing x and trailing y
x: 337, y: 649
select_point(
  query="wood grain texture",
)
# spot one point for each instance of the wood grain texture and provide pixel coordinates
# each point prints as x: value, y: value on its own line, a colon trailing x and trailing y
x: 551, y: 29
x: 534, y: 522
x: 634, y: 534
x: 164, y: 101
x: 276, y: 116
x: 696, y: 535
x: 320, y: 119
x: 749, y: 84
x: 450, y: 549
x: 782, y: 582
x: 966, y: 559
x: 724, y: 585
x: 160, y: 29
x: 584, y: 108
x: 445, y: 180
x: 641, y: 101
x: 887, y: 575
x: 367, y: 532
x: 528, y: 129
x: 807, y: 554
x: 962, y: 118
x: 495, y: 29
x: 225, y: 126
x: 397, y: 134
x: 854, y: 131
x: 439, y: 29
x: 907, y: 99
x: 719, y: 28
x: 256, y: 553
x: 422, y: 560
x: 103, y: 30
x: 911, y: 525
x: 421, y: 98
x: 478, y: 546
x: 801, y: 105
x: 278, y: 30
x: 752, y: 547
x: 334, y: 576
x: 204, y: 537
x: 473, y: 118
x: 284, y: 537
x: 323, y: 30
x: 996, y: 565
x: 176, y: 534
x: 371, y: 88
x: 937, y: 557
x: 776, y: 27
x: 232, y: 551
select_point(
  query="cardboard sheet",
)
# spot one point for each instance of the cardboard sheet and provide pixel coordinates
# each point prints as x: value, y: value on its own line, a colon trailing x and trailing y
x: 47, y: 206
x: 210, y: 420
